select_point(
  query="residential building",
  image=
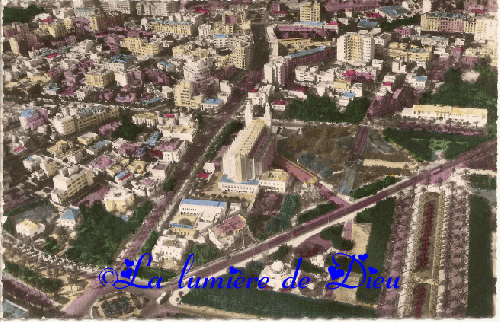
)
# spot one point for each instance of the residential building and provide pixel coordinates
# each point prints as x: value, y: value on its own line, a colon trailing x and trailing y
x: 119, y: 63
x: 197, y: 71
x: 103, y: 22
x: 279, y: 70
x: 123, y: 6
x: 181, y: 132
x: 147, y: 187
x: 57, y: 29
x: 310, y: 11
x: 212, y: 104
x: 139, y: 47
x: 185, y: 28
x: 100, y: 78
x: 61, y: 148
x: 241, y: 55
x: 79, y: 118
x: 31, y: 119
x: 119, y: 199
x: 69, y: 182
x: 224, y: 235
x: 184, y: 95
x: 409, y: 53
x: 355, y: 47
x: 88, y: 138
x: 147, y: 118
x: 275, y: 180
x: 157, y: 8
x: 172, y: 150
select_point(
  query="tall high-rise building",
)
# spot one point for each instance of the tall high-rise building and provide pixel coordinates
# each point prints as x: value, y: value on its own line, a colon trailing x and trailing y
x: 355, y: 47
x: 123, y: 6
x: 310, y: 11
x: 253, y: 150
x: 241, y: 55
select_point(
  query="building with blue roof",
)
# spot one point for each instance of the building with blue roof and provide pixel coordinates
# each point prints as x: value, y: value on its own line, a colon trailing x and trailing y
x: 363, y: 23
x: 211, y: 104
x: 307, y: 52
x: 120, y: 62
x: 31, y: 119
x: 393, y: 12
x: 70, y: 218
x: 203, y: 203
x: 198, y: 214
x: 349, y: 95
x: 28, y: 113
x: 250, y: 186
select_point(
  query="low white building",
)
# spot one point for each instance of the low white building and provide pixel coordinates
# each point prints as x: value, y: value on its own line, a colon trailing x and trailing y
x: 29, y: 228
x: 147, y: 187
x: 211, y: 104
x: 70, y: 218
x: 119, y: 199
x: 158, y: 170
x: 439, y: 114
x: 275, y: 180
x: 226, y: 184
x: 277, y: 272
x: 185, y: 133
x: 169, y: 248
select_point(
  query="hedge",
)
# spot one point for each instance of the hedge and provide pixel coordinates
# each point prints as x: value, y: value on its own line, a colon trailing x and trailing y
x: 150, y: 243
x: 382, y: 214
x: 334, y: 234
x: 319, y: 211
x: 373, y: 188
x: 147, y: 273
x: 480, y: 181
x: 273, y: 304
x: 323, y: 109
x: 9, y: 227
x: 281, y: 253
x: 481, y: 279
x: 202, y: 253
x: 307, y: 267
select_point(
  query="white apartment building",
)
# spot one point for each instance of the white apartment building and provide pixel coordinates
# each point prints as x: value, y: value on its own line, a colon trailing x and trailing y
x: 355, y: 47
x: 70, y: 181
x: 64, y: 125
x: 123, y: 6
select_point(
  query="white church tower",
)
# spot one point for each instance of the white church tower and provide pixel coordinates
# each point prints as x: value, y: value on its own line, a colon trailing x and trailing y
x: 267, y: 116
x: 248, y: 114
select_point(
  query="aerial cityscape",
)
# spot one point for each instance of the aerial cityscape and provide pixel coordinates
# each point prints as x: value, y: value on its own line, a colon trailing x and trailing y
x: 245, y: 159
